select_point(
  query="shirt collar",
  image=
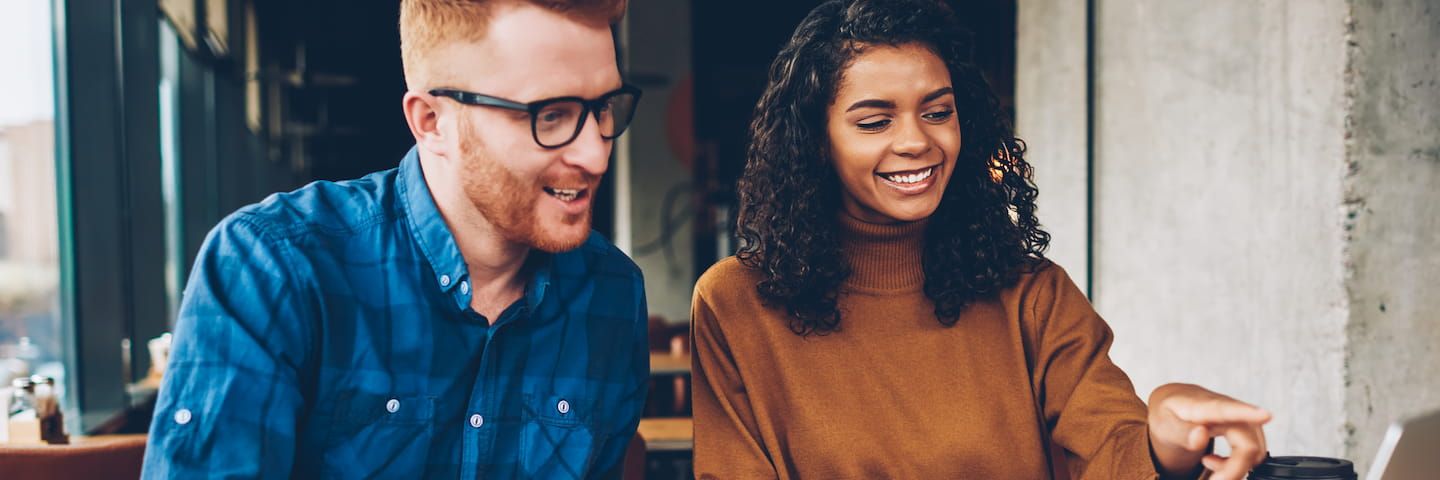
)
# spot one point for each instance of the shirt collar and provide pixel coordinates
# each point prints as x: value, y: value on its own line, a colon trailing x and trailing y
x: 437, y: 243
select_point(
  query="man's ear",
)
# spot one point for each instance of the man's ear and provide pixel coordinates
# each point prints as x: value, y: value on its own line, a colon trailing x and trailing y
x: 423, y: 117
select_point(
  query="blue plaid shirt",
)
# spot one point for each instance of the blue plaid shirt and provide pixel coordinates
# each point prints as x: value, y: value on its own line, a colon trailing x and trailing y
x: 327, y: 333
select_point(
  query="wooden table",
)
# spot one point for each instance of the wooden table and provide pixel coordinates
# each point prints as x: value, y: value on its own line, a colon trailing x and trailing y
x: 668, y: 434
x: 84, y: 441
x: 105, y: 440
x: 667, y: 364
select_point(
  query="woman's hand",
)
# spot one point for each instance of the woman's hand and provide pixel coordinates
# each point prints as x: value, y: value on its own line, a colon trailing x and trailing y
x: 1183, y: 419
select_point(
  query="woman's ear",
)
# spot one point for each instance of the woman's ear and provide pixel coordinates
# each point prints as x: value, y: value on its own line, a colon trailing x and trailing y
x: 999, y: 163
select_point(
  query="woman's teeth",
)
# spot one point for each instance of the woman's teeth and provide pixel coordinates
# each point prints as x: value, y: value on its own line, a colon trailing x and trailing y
x: 909, y: 178
x: 564, y: 194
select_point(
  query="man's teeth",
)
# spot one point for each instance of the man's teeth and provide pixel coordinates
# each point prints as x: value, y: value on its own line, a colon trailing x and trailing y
x: 565, y: 194
x: 910, y: 178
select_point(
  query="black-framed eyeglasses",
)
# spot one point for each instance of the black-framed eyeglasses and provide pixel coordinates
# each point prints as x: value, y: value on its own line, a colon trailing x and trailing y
x: 555, y: 122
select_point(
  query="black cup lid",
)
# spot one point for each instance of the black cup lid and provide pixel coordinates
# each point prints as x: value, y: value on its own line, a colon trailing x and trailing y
x: 1304, y: 467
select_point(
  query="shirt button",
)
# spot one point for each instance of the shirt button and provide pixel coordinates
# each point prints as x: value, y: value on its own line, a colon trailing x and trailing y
x: 392, y: 406
x: 182, y: 416
x: 444, y: 280
x: 476, y: 420
x: 465, y: 287
x: 563, y: 407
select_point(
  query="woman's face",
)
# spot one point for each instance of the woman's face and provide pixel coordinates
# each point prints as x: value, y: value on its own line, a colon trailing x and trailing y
x: 893, y: 133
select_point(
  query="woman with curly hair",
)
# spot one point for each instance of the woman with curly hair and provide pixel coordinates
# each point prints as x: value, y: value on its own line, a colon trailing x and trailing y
x: 890, y: 313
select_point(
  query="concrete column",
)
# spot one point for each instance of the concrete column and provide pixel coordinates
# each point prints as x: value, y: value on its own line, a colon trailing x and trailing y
x: 1266, y: 181
x: 1050, y: 95
x: 1220, y: 131
x: 1392, y: 223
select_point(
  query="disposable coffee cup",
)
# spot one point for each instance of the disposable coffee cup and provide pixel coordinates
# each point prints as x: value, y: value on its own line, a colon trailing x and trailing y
x: 1306, y: 468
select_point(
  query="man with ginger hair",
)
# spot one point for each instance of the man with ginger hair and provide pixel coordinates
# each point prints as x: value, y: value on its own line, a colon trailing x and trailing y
x: 452, y: 317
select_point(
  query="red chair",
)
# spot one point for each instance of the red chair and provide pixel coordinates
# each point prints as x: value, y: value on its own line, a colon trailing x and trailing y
x: 112, y: 456
x: 634, y: 461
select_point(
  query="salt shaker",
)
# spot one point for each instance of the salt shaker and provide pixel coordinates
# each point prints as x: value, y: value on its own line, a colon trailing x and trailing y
x: 21, y: 419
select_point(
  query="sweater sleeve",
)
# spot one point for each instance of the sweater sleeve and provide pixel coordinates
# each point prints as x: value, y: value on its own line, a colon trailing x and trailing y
x: 727, y: 440
x: 1090, y: 405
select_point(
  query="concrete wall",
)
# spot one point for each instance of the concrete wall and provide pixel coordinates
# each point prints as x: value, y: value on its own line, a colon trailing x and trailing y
x: 1266, y: 181
x: 658, y: 54
x: 1051, y: 46
x: 1218, y: 182
x: 1392, y: 201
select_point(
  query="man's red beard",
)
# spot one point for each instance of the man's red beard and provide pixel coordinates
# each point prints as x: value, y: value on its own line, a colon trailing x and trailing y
x: 509, y: 202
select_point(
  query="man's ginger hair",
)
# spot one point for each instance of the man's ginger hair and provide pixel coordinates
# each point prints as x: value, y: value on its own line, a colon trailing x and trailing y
x: 426, y: 25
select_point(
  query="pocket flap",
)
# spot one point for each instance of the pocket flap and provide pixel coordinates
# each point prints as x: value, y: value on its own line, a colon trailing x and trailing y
x: 557, y: 409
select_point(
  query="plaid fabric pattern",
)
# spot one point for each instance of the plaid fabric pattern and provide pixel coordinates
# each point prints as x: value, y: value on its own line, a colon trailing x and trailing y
x: 326, y: 333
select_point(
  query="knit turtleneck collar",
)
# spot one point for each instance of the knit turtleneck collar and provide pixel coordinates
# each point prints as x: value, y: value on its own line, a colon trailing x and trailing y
x: 883, y: 257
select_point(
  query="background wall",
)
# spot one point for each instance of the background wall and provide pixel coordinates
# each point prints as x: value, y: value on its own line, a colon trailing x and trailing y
x: 1050, y: 115
x: 659, y: 156
x: 1392, y: 205
x: 1265, y: 178
x: 1220, y: 154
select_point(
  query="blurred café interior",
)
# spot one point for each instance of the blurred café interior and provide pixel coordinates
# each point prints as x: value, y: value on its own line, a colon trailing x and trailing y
x: 1246, y: 191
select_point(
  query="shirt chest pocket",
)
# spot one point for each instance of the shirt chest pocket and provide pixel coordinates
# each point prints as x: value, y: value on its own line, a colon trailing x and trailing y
x: 558, y: 438
x: 378, y: 433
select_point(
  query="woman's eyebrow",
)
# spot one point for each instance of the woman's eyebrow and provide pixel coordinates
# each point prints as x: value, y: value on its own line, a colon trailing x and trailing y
x: 871, y: 103
x: 943, y: 91
x: 876, y: 103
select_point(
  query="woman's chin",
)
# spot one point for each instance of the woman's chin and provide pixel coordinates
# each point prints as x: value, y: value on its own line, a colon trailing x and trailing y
x: 910, y: 211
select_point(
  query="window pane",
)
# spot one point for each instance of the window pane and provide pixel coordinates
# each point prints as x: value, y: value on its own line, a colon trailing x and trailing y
x: 170, y: 165
x: 29, y: 239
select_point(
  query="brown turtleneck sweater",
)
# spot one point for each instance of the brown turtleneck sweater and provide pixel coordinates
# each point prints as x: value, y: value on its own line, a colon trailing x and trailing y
x: 894, y: 394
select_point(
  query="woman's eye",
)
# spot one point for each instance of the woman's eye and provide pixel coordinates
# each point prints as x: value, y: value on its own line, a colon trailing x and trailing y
x: 939, y: 116
x: 873, y: 126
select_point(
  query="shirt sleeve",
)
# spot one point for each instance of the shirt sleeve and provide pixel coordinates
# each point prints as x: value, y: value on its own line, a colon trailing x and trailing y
x: 1090, y: 405
x: 727, y: 440
x: 229, y: 402
x: 612, y: 453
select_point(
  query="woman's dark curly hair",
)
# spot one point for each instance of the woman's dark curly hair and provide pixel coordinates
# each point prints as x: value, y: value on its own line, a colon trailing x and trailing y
x: 980, y: 239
